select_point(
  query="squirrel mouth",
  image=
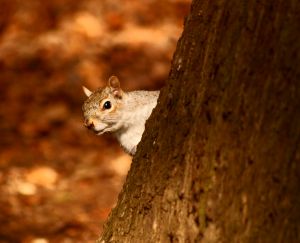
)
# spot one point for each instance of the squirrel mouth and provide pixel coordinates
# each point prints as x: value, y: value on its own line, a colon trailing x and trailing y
x: 100, y: 132
x: 96, y: 130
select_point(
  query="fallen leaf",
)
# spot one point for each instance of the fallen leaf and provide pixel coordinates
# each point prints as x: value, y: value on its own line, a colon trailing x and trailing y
x: 42, y: 176
x: 121, y: 164
x: 26, y: 188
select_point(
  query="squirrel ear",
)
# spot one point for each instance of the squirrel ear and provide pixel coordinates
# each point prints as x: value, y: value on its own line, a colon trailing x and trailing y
x: 114, y: 84
x: 86, y: 91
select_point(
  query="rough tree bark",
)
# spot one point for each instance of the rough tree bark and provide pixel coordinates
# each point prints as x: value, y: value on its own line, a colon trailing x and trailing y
x: 220, y: 159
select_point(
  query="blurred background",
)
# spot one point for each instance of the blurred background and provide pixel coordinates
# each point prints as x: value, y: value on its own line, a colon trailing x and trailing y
x: 58, y: 181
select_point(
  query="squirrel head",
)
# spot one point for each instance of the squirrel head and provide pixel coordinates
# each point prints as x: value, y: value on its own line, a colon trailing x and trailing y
x: 103, y: 108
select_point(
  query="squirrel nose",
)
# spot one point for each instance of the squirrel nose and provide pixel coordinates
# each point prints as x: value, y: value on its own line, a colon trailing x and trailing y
x: 89, y: 123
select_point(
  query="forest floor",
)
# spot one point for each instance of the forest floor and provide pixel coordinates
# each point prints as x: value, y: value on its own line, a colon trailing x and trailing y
x: 58, y: 181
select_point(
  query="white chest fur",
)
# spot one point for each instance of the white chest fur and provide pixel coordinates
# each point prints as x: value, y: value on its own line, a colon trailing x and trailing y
x: 130, y: 138
x: 134, y: 119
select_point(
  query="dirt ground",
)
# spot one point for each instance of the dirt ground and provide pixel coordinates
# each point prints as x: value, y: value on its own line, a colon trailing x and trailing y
x: 58, y: 181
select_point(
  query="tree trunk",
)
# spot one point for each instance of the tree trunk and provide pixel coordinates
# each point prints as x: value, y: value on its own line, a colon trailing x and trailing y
x: 220, y: 158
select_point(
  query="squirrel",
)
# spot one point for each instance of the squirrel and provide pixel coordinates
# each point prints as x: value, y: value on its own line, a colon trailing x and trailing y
x: 124, y: 114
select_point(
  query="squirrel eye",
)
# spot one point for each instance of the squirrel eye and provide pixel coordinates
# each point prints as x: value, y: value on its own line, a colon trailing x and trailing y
x: 107, y: 105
